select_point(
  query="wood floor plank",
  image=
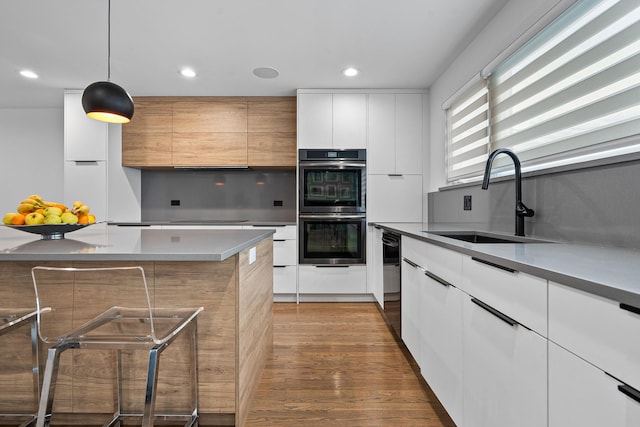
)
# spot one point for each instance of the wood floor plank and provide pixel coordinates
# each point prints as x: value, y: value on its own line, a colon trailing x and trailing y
x: 338, y: 363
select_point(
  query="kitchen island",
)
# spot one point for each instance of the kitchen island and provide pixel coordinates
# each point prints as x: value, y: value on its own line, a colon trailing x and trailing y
x: 228, y: 272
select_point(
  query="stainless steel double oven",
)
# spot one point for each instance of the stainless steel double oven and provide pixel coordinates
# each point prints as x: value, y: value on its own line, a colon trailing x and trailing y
x: 332, y: 206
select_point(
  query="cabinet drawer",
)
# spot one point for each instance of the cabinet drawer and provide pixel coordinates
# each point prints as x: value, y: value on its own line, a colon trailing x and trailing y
x: 444, y: 263
x: 284, y: 252
x: 582, y: 395
x: 516, y: 294
x: 288, y: 232
x: 332, y: 280
x: 284, y: 279
x: 504, y: 371
x: 596, y: 329
x: 414, y: 250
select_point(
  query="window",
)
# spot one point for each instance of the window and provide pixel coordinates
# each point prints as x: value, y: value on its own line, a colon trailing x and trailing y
x: 572, y: 90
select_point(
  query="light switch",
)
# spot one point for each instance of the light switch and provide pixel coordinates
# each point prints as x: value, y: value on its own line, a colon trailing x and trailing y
x: 252, y: 255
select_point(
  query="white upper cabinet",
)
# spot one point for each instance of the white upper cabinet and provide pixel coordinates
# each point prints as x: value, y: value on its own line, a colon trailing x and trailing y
x: 85, y: 139
x: 395, y: 133
x: 349, y: 120
x: 332, y: 120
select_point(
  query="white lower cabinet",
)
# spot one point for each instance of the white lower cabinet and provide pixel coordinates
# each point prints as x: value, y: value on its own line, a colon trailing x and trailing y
x: 582, y: 395
x: 347, y: 279
x: 410, y: 317
x: 285, y: 279
x: 504, y: 369
x: 441, y: 338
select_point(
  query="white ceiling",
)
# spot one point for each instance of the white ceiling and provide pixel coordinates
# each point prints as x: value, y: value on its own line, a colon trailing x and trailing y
x: 395, y: 44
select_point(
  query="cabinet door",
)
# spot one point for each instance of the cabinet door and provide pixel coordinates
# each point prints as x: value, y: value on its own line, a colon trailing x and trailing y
x: 394, y: 198
x: 350, y: 279
x: 210, y: 132
x: 408, y: 146
x: 597, y: 329
x: 146, y: 140
x: 410, y: 300
x: 441, y: 344
x: 504, y: 369
x: 375, y: 270
x: 272, y: 131
x: 315, y: 120
x: 381, y: 149
x: 85, y: 139
x: 582, y: 395
x: 87, y: 182
x: 349, y: 120
x: 284, y: 279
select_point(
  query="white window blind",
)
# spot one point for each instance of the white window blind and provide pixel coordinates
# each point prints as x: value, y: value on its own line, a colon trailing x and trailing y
x: 468, y: 128
x: 572, y: 89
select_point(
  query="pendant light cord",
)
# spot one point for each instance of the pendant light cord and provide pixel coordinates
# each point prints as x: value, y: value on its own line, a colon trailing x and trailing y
x: 109, y: 40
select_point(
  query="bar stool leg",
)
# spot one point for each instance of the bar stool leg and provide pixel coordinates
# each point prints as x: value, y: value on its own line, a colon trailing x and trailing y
x: 150, y: 394
x: 48, y: 386
x: 194, y: 374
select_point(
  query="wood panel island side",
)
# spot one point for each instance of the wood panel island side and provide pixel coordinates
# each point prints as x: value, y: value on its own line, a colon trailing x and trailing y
x: 228, y: 272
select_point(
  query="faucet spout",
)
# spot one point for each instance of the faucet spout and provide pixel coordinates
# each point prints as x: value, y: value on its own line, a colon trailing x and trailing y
x: 521, y: 210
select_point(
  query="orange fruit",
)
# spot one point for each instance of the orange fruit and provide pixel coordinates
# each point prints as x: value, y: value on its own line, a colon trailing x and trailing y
x: 41, y: 210
x: 84, y: 219
x: 17, y: 219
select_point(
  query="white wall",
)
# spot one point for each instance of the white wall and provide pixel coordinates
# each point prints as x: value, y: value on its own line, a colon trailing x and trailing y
x: 31, y: 155
x: 507, y: 26
x: 124, y: 184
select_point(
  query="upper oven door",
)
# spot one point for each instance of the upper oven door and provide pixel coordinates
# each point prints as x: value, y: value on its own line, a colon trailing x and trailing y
x: 332, y: 187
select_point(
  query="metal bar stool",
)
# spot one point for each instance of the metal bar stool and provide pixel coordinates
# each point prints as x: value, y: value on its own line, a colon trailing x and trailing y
x: 110, y: 308
x: 10, y: 320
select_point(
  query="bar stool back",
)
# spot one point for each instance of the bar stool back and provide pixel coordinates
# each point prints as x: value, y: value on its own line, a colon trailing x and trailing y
x: 109, y: 308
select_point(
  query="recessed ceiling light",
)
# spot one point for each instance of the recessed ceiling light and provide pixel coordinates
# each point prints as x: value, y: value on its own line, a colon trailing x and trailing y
x: 350, y: 72
x: 28, y: 74
x: 266, y: 72
x: 188, y: 72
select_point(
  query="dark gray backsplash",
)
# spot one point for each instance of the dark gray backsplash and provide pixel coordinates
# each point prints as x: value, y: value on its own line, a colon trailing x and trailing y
x: 598, y: 205
x: 203, y: 198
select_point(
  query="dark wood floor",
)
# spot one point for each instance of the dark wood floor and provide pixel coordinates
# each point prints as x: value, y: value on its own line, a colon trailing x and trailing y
x: 338, y: 364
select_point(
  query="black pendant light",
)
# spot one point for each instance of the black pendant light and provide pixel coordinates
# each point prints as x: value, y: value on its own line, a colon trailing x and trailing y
x: 106, y: 101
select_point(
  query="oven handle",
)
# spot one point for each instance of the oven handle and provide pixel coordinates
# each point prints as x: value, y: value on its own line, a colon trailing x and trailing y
x: 329, y: 164
x: 329, y: 217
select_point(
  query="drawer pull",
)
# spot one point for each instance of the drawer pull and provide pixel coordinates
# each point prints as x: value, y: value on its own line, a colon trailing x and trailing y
x: 630, y: 308
x: 331, y: 266
x: 630, y: 391
x: 493, y: 264
x: 279, y: 266
x: 495, y: 312
x: 437, y: 279
x: 279, y: 240
x: 413, y: 264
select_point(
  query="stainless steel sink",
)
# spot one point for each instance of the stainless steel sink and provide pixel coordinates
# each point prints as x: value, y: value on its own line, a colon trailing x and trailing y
x: 484, y: 237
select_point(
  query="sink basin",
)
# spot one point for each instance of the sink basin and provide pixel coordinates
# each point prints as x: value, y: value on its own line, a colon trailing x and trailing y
x: 484, y: 237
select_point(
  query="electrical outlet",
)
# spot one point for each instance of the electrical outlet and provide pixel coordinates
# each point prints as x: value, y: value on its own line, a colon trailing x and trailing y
x: 175, y: 202
x: 467, y: 203
x: 277, y: 203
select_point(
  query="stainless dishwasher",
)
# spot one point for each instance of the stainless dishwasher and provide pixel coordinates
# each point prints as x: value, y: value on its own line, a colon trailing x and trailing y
x: 391, y: 279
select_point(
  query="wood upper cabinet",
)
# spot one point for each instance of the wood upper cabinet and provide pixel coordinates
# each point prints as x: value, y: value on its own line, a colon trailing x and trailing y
x: 211, y: 131
x: 272, y: 132
x: 146, y: 140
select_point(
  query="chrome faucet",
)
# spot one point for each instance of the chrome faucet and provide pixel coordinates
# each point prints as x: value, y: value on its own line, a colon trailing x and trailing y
x: 521, y: 209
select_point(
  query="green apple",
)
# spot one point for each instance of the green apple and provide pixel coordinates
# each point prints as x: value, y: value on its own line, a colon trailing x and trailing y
x: 69, y: 218
x: 34, y: 218
x: 52, y: 219
x: 52, y: 210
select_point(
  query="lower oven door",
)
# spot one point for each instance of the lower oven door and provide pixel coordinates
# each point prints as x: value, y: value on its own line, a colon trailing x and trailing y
x: 332, y: 239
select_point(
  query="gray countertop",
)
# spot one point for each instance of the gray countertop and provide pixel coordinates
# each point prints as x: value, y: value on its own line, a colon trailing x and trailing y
x: 212, y: 222
x: 100, y: 242
x: 613, y: 273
